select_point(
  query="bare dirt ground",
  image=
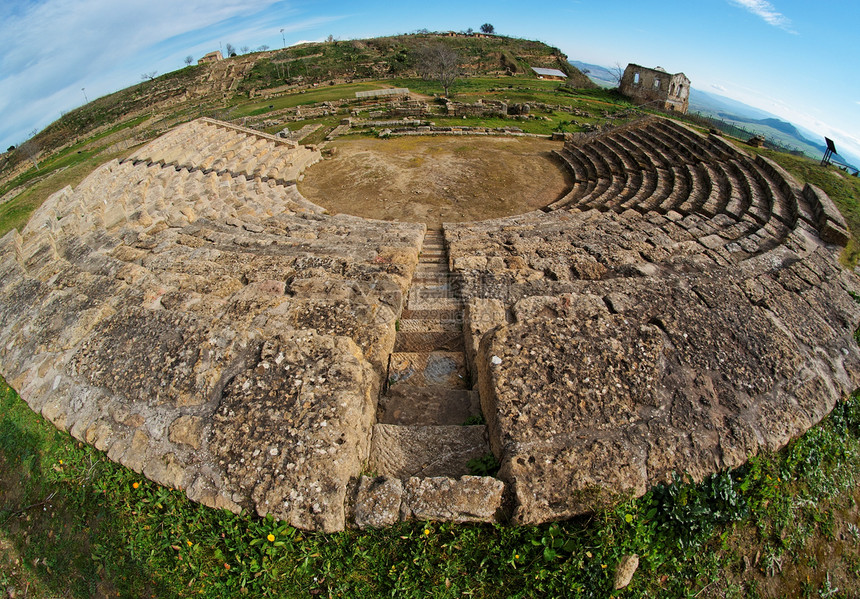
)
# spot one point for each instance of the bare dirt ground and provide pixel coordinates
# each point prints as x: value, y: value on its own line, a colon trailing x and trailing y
x: 437, y: 179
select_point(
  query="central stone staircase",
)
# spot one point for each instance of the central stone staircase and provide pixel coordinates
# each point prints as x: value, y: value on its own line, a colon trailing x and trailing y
x: 422, y: 422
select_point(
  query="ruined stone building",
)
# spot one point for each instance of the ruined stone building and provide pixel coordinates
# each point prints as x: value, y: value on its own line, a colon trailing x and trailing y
x: 656, y: 87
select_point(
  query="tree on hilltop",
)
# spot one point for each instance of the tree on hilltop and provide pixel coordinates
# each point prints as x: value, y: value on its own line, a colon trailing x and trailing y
x: 188, y: 60
x: 231, y: 51
x: 488, y: 28
x: 439, y: 62
x: 30, y: 149
x: 150, y: 76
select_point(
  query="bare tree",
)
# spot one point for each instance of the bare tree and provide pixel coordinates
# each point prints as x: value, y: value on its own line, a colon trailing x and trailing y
x: 244, y: 49
x: 231, y: 51
x: 439, y: 62
x: 263, y: 48
x: 488, y: 28
x: 188, y: 60
x: 30, y: 149
x: 150, y: 76
x: 617, y: 74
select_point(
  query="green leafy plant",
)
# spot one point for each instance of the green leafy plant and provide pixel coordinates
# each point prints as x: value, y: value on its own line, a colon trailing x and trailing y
x: 486, y: 465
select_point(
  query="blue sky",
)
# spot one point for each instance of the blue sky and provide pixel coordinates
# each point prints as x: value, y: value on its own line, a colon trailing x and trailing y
x: 790, y: 57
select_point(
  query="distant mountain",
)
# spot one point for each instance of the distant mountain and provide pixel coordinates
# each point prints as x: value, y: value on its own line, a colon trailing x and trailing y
x: 761, y: 122
x: 755, y: 120
x: 602, y: 76
x: 713, y: 104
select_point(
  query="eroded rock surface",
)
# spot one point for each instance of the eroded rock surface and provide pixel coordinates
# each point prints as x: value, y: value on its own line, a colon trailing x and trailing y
x: 625, y: 337
x: 189, y: 313
x: 205, y: 325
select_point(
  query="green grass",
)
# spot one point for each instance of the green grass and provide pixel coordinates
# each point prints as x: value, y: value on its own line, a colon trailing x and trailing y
x: 82, y: 526
x: 292, y: 99
x: 72, y: 155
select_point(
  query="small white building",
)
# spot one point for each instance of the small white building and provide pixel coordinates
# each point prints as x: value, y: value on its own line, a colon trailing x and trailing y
x: 211, y: 57
x: 549, y: 74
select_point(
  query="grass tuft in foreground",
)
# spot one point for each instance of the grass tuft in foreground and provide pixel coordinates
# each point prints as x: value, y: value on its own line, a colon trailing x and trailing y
x: 74, y: 524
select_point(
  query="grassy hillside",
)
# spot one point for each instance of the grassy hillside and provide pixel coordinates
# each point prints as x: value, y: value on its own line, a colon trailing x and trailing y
x: 200, y: 88
x: 396, y: 56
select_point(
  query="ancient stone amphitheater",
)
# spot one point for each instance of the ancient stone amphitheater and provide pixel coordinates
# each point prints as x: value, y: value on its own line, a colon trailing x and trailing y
x: 188, y: 312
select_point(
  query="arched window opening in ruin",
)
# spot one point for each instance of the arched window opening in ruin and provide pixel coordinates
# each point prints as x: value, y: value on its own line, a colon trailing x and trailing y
x: 636, y: 79
x: 657, y: 83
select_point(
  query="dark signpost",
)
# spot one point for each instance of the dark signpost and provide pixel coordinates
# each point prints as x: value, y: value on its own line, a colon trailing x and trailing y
x: 829, y: 152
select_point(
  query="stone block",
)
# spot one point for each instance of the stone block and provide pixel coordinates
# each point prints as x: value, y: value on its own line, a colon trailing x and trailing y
x: 377, y: 502
x: 467, y: 499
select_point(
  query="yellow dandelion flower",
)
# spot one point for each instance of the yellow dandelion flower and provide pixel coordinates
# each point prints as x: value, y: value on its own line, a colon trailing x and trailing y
x: 426, y: 531
x: 135, y: 485
x: 189, y: 543
x: 517, y: 556
x: 271, y: 538
x: 226, y: 566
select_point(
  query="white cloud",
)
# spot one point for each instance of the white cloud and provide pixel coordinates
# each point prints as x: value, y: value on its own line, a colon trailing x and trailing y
x: 766, y: 10
x: 53, y: 48
x: 718, y: 87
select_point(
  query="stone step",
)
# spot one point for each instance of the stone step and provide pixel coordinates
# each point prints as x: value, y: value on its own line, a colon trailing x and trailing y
x: 424, y: 302
x: 425, y: 451
x: 428, y: 341
x: 434, y: 291
x: 423, y: 369
x: 437, y: 274
x: 438, y: 315
x: 431, y: 325
x: 406, y: 404
x: 431, y: 271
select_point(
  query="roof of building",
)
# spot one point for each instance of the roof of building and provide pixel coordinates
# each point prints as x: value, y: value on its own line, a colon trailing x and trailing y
x: 377, y: 93
x: 549, y: 72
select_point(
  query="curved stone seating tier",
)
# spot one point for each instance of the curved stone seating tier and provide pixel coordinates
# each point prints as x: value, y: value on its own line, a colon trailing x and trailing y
x: 190, y: 314
x: 618, y: 344
x: 216, y: 332
x: 209, y: 145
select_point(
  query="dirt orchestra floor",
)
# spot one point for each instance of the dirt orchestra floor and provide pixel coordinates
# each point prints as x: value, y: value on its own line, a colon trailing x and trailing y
x: 437, y: 179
